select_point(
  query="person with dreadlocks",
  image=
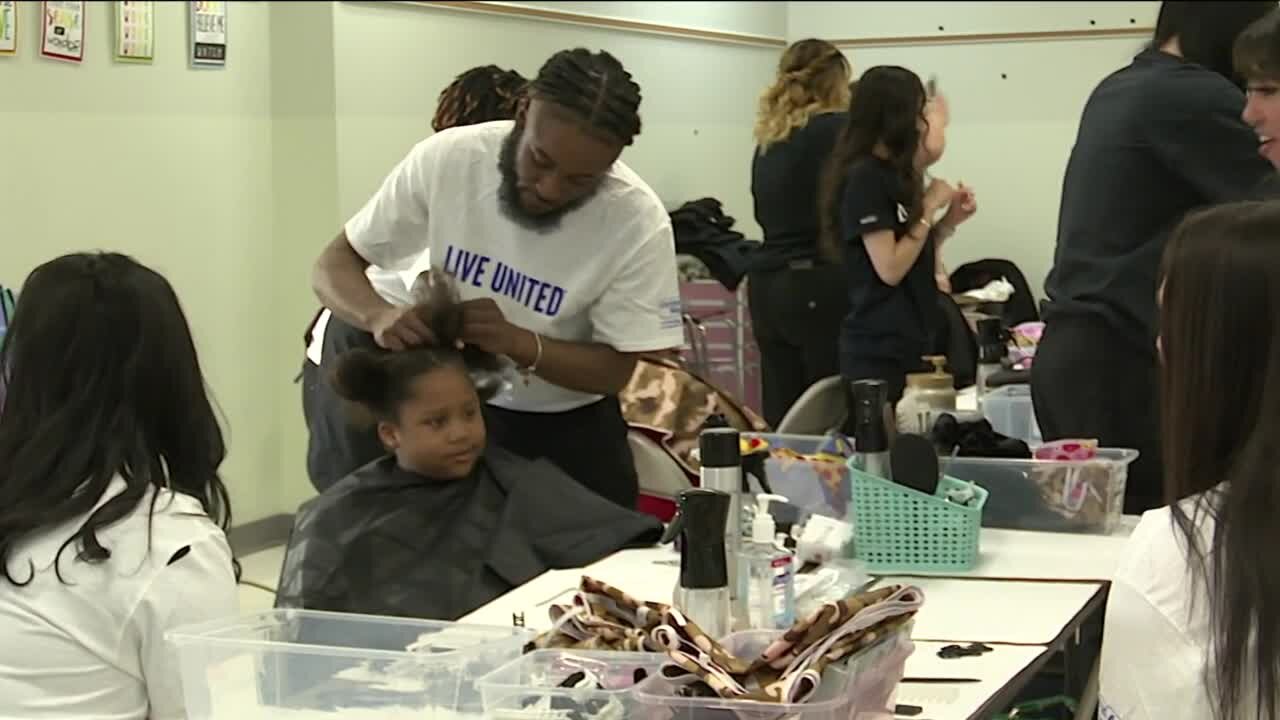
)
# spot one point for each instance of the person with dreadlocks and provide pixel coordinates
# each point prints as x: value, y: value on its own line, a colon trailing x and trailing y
x: 479, y: 95
x: 564, y: 256
x: 336, y: 449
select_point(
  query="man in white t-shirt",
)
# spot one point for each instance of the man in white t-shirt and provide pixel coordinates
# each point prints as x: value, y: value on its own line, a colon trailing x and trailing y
x: 564, y: 256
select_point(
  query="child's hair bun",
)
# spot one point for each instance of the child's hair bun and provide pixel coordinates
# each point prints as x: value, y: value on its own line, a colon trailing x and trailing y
x: 436, y: 291
x: 363, y: 377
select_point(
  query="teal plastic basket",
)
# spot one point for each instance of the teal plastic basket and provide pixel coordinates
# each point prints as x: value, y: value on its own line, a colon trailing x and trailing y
x: 898, y: 529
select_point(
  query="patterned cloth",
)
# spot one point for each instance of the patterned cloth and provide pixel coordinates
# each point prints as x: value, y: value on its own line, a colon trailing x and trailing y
x: 602, y: 617
x: 674, y: 405
x: 788, y: 671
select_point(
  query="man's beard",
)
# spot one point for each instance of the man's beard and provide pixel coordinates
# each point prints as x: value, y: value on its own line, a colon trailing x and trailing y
x: 509, y: 191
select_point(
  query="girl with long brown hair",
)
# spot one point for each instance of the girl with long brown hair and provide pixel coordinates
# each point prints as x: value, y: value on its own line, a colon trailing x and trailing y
x: 1191, y: 628
x: 887, y: 226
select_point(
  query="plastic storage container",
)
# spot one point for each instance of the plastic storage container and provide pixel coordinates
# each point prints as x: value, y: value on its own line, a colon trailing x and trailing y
x: 287, y: 664
x: 527, y: 687
x: 1011, y: 413
x: 1054, y: 496
x: 862, y: 689
x: 898, y: 529
x: 815, y: 487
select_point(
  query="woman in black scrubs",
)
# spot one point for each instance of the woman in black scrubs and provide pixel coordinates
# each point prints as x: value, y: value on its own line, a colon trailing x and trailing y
x: 1157, y: 139
x: 887, y: 226
x: 796, y: 300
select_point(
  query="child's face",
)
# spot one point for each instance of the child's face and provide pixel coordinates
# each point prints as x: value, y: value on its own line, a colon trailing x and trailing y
x: 440, y: 431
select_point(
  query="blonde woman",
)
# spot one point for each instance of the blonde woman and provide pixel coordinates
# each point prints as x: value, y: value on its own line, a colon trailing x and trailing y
x: 797, y: 302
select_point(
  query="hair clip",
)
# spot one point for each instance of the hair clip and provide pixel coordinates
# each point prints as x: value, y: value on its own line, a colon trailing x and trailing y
x: 951, y: 652
x: 517, y: 619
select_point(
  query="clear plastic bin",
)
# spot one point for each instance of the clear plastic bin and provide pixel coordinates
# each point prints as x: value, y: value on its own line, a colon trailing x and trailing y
x: 527, y: 688
x: 1085, y: 496
x: 286, y: 664
x: 819, y: 488
x: 863, y: 689
x: 1011, y: 413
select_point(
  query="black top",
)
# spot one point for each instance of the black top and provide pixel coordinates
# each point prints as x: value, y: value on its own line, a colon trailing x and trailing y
x: 784, y: 184
x: 884, y: 321
x: 1157, y: 139
x: 384, y: 541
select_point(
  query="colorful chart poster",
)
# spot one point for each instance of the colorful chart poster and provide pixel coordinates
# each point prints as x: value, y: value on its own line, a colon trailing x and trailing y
x: 62, y: 35
x: 135, y: 31
x: 8, y: 27
x: 209, y: 32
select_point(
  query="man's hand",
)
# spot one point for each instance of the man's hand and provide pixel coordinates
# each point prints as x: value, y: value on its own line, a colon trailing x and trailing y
x: 399, y: 327
x: 484, y: 326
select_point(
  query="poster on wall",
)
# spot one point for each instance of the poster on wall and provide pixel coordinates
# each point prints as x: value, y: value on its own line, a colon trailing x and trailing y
x: 62, y: 34
x: 208, y: 32
x: 8, y: 27
x: 135, y: 31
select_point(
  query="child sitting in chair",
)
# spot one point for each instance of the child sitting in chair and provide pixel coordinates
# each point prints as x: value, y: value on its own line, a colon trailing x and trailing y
x: 445, y: 523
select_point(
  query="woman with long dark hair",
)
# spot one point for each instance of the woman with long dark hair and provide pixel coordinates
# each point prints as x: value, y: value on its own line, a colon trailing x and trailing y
x: 112, y: 513
x: 1191, y: 627
x: 879, y: 217
x: 796, y: 300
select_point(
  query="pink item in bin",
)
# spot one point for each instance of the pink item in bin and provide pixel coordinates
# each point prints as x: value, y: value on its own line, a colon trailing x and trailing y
x: 1068, y: 450
x: 1025, y: 338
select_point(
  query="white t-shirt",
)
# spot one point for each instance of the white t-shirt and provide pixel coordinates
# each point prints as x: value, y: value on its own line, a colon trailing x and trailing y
x: 605, y: 274
x: 1156, y: 644
x: 94, y: 647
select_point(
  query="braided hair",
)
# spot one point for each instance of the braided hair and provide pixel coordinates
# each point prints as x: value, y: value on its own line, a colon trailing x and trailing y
x: 479, y: 95
x: 594, y: 86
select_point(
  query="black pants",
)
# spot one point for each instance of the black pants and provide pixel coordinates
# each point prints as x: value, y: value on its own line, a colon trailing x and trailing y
x: 588, y: 443
x: 1091, y: 381
x: 795, y: 316
x: 336, y: 446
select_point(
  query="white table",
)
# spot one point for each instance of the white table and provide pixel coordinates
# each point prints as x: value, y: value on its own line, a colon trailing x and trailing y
x: 1026, y: 595
x: 994, y: 671
x: 996, y: 611
x: 1022, y: 555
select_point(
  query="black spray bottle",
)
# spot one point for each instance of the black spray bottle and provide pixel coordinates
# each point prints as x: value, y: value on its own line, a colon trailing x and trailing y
x: 720, y: 452
x: 869, y: 402
x: 992, y: 351
x: 702, y: 593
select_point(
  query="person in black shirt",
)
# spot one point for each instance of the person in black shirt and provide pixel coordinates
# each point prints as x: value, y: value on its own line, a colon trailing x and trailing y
x: 1157, y: 139
x: 880, y: 218
x: 796, y: 300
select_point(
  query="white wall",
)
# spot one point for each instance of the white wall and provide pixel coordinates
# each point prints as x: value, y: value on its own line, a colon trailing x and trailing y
x: 1015, y: 105
x: 863, y: 20
x: 305, y: 190
x: 698, y: 107
x: 171, y: 165
x: 750, y: 18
